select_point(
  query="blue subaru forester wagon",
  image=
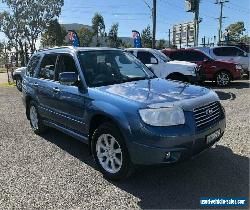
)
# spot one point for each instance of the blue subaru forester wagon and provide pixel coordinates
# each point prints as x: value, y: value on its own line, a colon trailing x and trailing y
x: 108, y: 99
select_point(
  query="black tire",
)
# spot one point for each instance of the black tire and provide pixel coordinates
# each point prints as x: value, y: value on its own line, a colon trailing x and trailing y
x: 178, y: 77
x: 19, y: 83
x: 39, y: 128
x: 223, y: 78
x: 126, y: 167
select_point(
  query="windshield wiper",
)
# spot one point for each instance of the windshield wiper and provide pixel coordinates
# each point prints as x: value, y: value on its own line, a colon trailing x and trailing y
x: 130, y: 79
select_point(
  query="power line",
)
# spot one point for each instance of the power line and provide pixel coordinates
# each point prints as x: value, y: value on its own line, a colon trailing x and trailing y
x: 239, y: 7
x: 235, y: 9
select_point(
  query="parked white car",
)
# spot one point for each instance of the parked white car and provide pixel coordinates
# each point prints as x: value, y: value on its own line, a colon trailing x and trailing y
x: 163, y: 67
x: 229, y: 53
x: 18, y: 75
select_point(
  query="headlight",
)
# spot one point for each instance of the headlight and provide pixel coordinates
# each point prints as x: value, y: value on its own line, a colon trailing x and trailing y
x: 163, y: 116
x: 192, y: 70
x: 238, y: 67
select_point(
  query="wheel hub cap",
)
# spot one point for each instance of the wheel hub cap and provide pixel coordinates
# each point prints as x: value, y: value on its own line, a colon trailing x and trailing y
x: 109, y: 153
x: 223, y: 79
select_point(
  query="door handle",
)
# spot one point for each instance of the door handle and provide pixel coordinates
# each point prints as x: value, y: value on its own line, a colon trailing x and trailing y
x: 35, y: 84
x: 56, y: 90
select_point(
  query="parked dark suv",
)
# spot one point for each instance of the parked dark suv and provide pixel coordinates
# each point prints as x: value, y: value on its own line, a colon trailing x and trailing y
x: 223, y: 72
x: 108, y: 99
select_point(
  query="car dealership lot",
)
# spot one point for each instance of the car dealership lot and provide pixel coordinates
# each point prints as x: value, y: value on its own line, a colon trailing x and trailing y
x: 55, y: 171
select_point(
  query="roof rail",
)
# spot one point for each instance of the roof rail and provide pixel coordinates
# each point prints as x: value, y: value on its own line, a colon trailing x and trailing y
x: 53, y: 48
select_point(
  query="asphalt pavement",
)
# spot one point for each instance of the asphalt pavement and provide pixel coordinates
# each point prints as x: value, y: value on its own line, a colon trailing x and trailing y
x: 55, y: 171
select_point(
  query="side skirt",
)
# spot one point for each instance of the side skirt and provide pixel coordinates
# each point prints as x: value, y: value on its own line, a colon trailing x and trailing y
x: 67, y: 131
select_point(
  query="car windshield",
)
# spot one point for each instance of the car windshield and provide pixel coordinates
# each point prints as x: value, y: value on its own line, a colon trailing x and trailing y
x: 209, y: 56
x: 162, y: 56
x: 107, y: 67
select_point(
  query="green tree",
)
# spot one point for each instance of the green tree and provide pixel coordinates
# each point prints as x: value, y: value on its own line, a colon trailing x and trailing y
x: 161, y: 44
x: 113, y: 39
x: 30, y: 18
x: 146, y: 37
x: 12, y: 24
x: 98, y: 26
x: 85, y: 36
x: 126, y: 45
x: 54, y: 35
x: 236, y: 31
x: 245, y: 39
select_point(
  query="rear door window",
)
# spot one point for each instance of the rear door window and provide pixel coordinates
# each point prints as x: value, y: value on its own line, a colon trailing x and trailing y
x: 145, y: 57
x: 48, y: 66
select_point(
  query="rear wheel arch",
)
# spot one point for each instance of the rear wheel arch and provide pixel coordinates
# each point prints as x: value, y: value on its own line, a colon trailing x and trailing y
x: 17, y: 77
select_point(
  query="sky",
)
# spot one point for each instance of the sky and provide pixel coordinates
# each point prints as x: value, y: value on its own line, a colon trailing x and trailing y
x: 135, y: 14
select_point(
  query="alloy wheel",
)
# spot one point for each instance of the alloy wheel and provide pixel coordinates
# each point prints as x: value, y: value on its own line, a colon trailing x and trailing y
x: 109, y: 153
x: 223, y: 79
x: 19, y: 84
x: 34, y: 117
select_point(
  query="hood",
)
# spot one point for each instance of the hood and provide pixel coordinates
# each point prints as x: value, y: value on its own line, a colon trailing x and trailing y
x: 182, y: 63
x: 156, y: 91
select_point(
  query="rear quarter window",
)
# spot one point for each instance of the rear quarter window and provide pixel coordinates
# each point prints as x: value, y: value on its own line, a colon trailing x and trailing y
x: 32, y: 65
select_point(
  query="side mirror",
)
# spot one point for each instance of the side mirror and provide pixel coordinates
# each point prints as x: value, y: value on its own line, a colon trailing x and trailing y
x: 68, y: 78
x: 153, y: 61
x: 245, y: 54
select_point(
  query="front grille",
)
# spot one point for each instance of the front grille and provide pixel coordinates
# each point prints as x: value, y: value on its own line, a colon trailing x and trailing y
x: 207, y: 115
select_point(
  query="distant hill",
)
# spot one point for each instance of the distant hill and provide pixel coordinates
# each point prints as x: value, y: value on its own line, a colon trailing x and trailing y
x: 75, y: 26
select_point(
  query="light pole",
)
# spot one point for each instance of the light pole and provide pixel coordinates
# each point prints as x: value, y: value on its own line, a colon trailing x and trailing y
x: 221, y: 2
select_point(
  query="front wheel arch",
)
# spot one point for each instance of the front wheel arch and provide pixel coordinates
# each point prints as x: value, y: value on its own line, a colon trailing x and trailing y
x: 177, y: 76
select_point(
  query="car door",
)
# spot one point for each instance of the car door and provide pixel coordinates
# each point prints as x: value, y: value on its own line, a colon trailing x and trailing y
x: 71, y: 102
x: 232, y: 54
x: 241, y: 57
x: 46, y: 87
x: 201, y: 59
x: 145, y: 57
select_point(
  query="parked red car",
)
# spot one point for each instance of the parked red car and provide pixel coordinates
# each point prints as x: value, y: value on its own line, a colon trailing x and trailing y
x: 223, y: 72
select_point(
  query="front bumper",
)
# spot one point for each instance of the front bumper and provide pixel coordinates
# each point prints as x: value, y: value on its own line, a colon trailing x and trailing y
x: 199, y: 77
x: 180, y: 147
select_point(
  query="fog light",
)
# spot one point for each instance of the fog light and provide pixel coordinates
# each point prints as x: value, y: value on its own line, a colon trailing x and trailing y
x: 168, y: 155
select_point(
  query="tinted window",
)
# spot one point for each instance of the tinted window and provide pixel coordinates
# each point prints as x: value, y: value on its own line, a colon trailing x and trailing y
x: 32, y: 65
x: 47, y: 68
x: 66, y: 64
x: 228, y: 51
x: 178, y: 55
x: 130, y: 51
x: 145, y: 57
x: 194, y: 56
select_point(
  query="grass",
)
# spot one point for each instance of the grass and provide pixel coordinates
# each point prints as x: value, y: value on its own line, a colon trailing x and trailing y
x: 7, y: 84
x: 3, y: 70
